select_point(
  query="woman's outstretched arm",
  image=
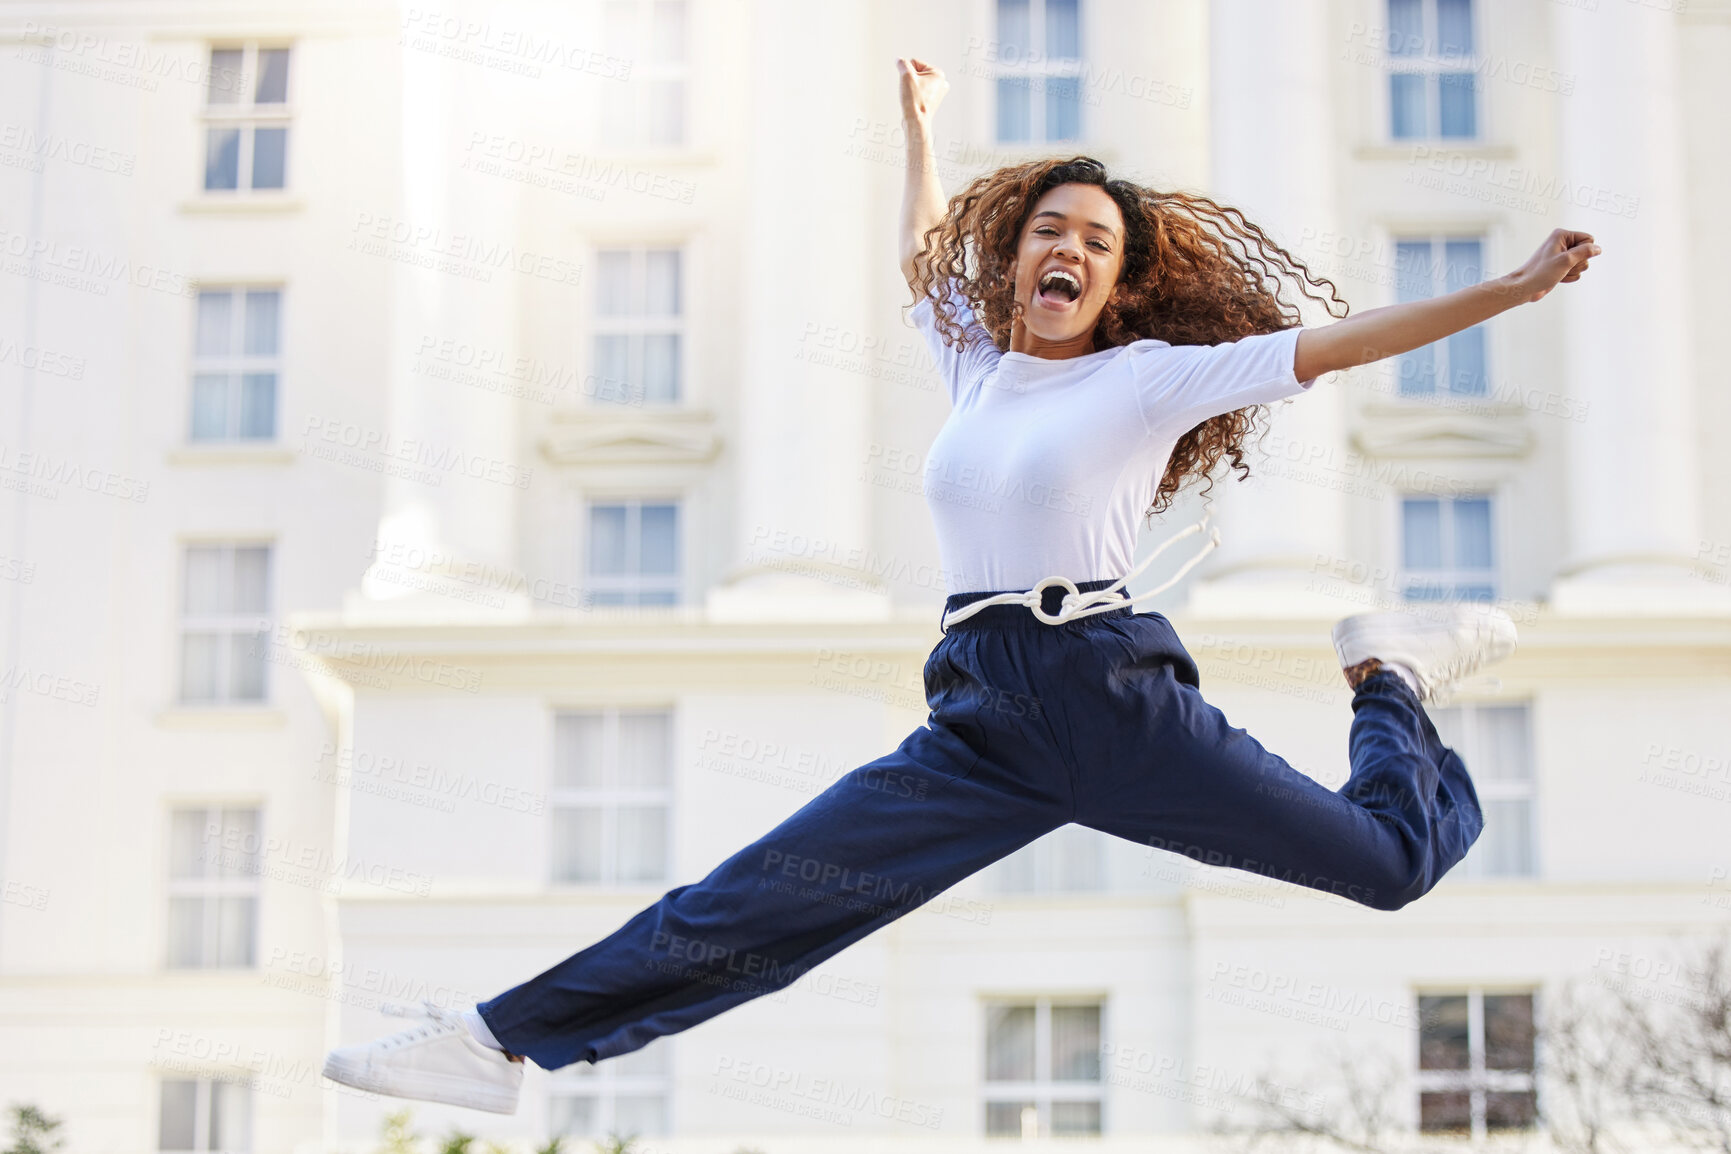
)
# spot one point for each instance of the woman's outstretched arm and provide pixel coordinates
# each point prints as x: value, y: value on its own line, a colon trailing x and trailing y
x: 923, y: 87
x: 1394, y: 329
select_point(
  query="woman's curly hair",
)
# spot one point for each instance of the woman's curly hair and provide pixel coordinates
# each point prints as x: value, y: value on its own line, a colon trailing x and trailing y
x: 1194, y: 272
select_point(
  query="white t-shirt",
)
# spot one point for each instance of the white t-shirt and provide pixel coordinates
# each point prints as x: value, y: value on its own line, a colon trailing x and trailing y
x: 1045, y: 467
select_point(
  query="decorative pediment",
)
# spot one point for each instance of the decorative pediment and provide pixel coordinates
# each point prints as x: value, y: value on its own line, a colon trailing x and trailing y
x: 1388, y: 433
x: 675, y: 437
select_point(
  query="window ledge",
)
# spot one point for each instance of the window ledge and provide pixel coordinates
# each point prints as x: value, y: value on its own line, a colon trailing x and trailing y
x: 243, y: 203
x: 221, y: 717
x: 607, y: 435
x: 1409, y: 150
x: 231, y: 453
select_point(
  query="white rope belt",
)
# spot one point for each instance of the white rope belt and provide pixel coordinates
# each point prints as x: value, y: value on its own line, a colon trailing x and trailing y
x: 1079, y: 604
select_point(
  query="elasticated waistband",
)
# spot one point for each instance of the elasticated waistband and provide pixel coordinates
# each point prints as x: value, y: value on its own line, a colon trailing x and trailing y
x: 1051, y: 600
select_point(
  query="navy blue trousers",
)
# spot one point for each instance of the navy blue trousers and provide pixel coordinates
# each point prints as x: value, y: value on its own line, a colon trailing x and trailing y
x: 1096, y: 721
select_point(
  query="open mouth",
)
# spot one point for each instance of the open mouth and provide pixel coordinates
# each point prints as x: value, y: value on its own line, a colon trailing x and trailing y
x: 1059, y: 288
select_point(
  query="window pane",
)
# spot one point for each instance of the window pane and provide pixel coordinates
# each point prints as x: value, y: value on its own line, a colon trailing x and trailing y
x: 613, y: 288
x: 1503, y: 748
x: 574, y: 1115
x: 185, y: 933
x: 1508, y: 1031
x: 661, y: 282
x: 1463, y: 264
x: 1414, y: 270
x: 1452, y: 1110
x: 225, y: 79
x: 1421, y: 533
x: 235, y: 918
x: 269, y: 148
x: 1063, y: 30
x: 215, y: 324
x: 1078, y: 859
x: 645, y: 750
x: 272, y: 76
x: 1009, y: 1043
x: 618, y: 112
x: 1456, y: 104
x: 613, y: 369
x: 607, y: 540
x: 1075, y: 1118
x: 210, y: 406
x: 1004, y: 1119
x: 251, y: 579
x: 1454, y: 27
x: 200, y: 659
x: 1014, y: 28
x: 577, y: 751
x: 661, y: 367
x: 1405, y: 27
x: 640, y: 1114
x: 246, y: 666
x: 1418, y: 372
x: 1063, y: 108
x: 1472, y: 533
x: 260, y: 339
x: 1442, y: 1041
x: 178, y: 1105
x: 1075, y: 1043
x: 619, y: 28
x: 187, y: 836
x: 233, y: 849
x: 1015, y: 122
x: 258, y: 406
x: 664, y: 113
x: 660, y: 541
x: 1505, y: 850
x: 221, y: 158
x: 576, y: 844
x: 1510, y: 1111
x: 648, y: 1062
x: 667, y: 32
x: 642, y: 843
x: 1467, y: 362
x: 230, y: 1117
x: 1406, y: 105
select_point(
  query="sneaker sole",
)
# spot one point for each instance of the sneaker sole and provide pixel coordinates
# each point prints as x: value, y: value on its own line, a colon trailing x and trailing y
x: 425, y: 1087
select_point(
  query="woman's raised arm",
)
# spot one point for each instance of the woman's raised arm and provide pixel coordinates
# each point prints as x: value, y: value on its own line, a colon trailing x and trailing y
x: 923, y: 88
x: 1395, y: 329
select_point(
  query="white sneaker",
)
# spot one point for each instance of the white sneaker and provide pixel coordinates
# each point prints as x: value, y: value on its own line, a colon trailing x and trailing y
x: 436, y: 1061
x: 1438, y: 646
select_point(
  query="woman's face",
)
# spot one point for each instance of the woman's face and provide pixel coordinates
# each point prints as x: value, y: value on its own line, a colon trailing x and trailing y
x: 1066, y: 264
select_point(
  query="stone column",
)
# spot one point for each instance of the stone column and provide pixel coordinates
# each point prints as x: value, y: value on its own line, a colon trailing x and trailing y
x: 807, y: 257
x: 1634, y: 503
x: 1274, y: 152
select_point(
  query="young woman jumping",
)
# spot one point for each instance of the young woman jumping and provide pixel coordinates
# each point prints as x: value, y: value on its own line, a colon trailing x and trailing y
x: 1102, y: 344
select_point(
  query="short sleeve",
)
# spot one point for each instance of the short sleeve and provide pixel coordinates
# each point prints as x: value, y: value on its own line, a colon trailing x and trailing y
x: 961, y: 369
x: 1180, y: 386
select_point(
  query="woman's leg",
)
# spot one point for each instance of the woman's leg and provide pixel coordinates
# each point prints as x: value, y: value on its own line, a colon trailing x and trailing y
x: 881, y: 841
x: 1179, y: 777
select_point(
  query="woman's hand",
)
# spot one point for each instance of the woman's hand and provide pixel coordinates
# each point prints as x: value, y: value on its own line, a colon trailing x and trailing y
x: 1560, y: 260
x: 923, y: 88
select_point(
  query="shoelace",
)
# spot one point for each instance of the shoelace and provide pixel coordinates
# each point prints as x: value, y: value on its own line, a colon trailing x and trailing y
x: 438, y: 1021
x: 1078, y: 604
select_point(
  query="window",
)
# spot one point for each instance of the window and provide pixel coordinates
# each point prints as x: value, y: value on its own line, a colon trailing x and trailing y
x: 627, y: 1094
x: 222, y: 637
x: 1447, y: 550
x: 246, y: 116
x: 213, y: 886
x: 1495, y: 742
x: 1431, y: 70
x: 1427, y: 267
x: 1071, y: 858
x: 235, y: 361
x: 1042, y: 1068
x: 206, y: 1115
x: 638, y: 326
x: 1475, y: 1062
x: 612, y: 771
x: 647, y: 110
x: 1038, y: 70
x: 633, y: 553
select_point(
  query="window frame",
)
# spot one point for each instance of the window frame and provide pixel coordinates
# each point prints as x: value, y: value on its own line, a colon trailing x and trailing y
x: 1042, y: 858
x: 1476, y: 1079
x: 632, y: 585
x: 634, y: 92
x: 1525, y: 789
x: 1431, y: 64
x: 1036, y: 68
x: 605, y: 1083
x: 237, y: 364
x: 1438, y: 240
x: 609, y: 797
x: 639, y: 325
x: 202, y: 1103
x: 1042, y: 1089
x: 211, y: 887
x: 247, y: 116
x: 228, y: 626
x: 1450, y: 576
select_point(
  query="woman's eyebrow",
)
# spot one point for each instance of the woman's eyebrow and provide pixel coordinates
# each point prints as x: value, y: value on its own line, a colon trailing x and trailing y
x: 1061, y: 216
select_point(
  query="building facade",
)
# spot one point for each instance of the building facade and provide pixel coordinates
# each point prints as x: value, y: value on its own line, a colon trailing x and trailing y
x: 508, y: 416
